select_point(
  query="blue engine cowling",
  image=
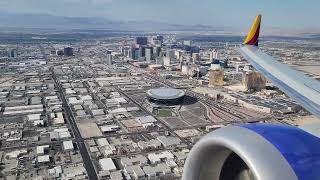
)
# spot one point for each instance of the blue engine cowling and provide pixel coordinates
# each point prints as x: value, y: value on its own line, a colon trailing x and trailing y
x: 255, y: 151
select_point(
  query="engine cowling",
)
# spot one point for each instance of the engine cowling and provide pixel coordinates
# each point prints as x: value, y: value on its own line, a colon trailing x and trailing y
x: 255, y: 152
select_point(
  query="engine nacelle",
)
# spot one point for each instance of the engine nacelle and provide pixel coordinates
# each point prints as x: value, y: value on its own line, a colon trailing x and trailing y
x: 255, y: 152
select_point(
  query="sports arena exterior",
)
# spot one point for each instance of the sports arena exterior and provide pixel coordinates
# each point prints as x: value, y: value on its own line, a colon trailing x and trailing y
x: 166, y: 96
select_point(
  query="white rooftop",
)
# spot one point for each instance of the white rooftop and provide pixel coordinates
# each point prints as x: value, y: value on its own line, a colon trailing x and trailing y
x: 146, y: 119
x: 33, y: 117
x: 107, y: 164
x: 44, y: 159
x: 102, y: 142
x: 68, y: 145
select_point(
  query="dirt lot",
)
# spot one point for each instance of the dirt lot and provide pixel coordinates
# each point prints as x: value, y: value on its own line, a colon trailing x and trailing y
x: 89, y: 129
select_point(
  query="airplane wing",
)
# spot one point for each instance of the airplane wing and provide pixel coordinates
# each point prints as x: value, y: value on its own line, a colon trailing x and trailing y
x: 262, y: 151
x: 303, y: 89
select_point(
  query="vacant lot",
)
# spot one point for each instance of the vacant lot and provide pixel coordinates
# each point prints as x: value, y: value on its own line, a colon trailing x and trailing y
x: 89, y: 129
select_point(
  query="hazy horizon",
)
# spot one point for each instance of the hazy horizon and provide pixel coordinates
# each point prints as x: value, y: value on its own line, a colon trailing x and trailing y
x: 284, y: 15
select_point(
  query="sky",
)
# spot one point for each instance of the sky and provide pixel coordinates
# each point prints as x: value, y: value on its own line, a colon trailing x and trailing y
x: 296, y: 14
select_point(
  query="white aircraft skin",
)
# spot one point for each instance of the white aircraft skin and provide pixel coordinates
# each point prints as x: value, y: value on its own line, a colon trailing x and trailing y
x: 303, y: 89
x: 268, y: 151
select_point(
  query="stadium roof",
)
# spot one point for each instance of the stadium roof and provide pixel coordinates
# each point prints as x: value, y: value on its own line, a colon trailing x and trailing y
x: 165, y: 93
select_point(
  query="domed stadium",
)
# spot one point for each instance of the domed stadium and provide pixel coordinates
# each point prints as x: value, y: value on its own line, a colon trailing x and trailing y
x: 166, y: 96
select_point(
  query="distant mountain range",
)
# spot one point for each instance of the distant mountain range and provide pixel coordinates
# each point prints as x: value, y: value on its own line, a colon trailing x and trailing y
x: 15, y: 20
x: 19, y: 22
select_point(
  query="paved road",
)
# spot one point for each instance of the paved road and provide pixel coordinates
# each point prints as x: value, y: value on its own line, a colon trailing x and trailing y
x: 80, y: 141
x: 149, y: 113
x: 203, y: 99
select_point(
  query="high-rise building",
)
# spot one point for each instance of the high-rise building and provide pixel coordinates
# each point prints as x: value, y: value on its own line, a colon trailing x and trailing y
x: 13, y: 53
x: 170, y: 53
x: 160, y: 38
x: 185, y: 69
x: 156, y: 51
x: 253, y: 81
x: 213, y: 54
x: 142, y: 51
x: 68, y: 51
x: 178, y: 54
x: 121, y: 49
x: 196, y: 57
x: 167, y: 61
x: 157, y: 40
x: 156, y: 43
x: 109, y: 59
x: 216, y: 77
x: 131, y: 53
x: 59, y: 52
x: 136, y: 54
x: 127, y: 52
x: 142, y: 41
x: 148, y: 54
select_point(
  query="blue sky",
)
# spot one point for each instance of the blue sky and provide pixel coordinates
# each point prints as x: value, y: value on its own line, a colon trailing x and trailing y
x: 232, y: 13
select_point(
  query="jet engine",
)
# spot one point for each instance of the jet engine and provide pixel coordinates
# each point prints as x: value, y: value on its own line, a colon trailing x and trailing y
x: 255, y: 152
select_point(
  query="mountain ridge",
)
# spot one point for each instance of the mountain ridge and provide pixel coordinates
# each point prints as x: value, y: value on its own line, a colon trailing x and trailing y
x: 16, y: 20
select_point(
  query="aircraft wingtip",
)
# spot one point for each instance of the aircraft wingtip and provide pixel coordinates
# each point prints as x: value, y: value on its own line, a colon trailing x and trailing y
x: 253, y: 36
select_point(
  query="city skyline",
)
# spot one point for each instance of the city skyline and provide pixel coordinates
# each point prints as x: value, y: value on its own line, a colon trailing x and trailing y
x: 96, y: 99
x: 277, y: 14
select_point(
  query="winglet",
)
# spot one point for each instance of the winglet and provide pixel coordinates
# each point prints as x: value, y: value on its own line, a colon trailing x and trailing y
x: 253, y: 36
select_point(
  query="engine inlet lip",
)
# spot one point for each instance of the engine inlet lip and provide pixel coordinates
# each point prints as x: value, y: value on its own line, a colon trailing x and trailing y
x: 263, y: 159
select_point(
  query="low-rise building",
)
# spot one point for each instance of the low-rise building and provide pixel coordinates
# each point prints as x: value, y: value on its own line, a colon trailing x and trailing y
x: 135, y: 171
x: 149, y: 145
x: 109, y: 128
x: 169, y: 141
x: 134, y: 160
x: 157, y: 170
x: 68, y: 146
x: 155, y: 158
x: 42, y: 149
x: 43, y: 159
x: 107, y: 164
